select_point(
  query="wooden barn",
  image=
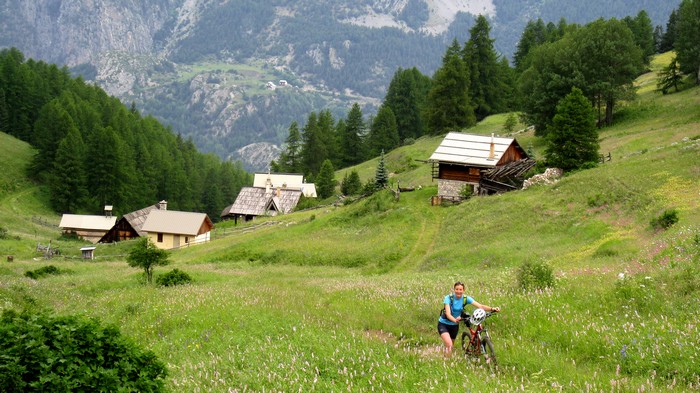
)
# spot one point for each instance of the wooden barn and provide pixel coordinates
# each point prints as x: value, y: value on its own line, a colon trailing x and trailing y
x: 289, y: 181
x: 487, y: 164
x: 90, y: 228
x: 130, y: 225
x: 170, y: 229
x: 261, y: 201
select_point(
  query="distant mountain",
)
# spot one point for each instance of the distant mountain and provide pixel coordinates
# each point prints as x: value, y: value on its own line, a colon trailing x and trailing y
x: 203, y: 66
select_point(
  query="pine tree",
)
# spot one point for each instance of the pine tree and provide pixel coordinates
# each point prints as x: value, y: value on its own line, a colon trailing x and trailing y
x: 381, y: 176
x: 572, y: 141
x: 669, y: 37
x: 325, y: 181
x: 290, y: 159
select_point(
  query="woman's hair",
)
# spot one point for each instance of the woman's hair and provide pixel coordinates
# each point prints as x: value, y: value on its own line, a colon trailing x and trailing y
x: 458, y: 283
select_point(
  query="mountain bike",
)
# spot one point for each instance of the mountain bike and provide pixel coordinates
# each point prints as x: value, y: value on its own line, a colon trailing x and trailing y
x: 476, y: 342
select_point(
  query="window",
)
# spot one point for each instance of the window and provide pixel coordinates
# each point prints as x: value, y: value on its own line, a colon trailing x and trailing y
x: 160, y: 238
x: 187, y: 239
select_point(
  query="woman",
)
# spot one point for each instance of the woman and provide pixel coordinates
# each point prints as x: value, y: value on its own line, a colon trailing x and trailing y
x: 448, y: 324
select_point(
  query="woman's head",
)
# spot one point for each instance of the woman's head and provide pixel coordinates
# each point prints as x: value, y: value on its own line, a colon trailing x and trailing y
x: 459, y: 288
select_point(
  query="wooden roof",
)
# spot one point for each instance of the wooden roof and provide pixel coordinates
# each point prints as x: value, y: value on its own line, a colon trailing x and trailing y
x: 137, y: 218
x: 78, y: 221
x: 176, y: 222
x: 258, y: 201
x: 473, y: 150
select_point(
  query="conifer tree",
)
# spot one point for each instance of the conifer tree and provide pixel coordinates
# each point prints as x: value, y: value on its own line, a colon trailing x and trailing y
x: 351, y: 183
x: 487, y: 85
x: 572, y: 141
x: 406, y: 97
x: 67, y: 181
x: 687, y: 42
x: 381, y: 176
x: 290, y: 158
x: 351, y: 138
x: 670, y: 77
x: 383, y: 134
x: 449, y: 104
x: 325, y: 181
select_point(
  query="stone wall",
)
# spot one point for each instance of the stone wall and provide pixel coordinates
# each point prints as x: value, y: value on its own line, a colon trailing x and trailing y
x: 452, y: 188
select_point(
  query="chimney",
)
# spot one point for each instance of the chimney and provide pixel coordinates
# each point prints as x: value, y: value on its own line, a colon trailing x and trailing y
x: 163, y: 205
x: 108, y: 210
x: 279, y: 192
x: 492, y: 153
x: 268, y: 184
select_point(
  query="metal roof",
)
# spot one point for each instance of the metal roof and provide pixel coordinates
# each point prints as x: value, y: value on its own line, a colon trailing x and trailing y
x: 79, y: 221
x: 468, y: 149
x: 176, y: 222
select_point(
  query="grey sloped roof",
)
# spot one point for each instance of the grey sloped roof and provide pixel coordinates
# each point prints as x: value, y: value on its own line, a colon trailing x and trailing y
x: 176, y: 222
x: 137, y: 218
x: 79, y: 221
x: 257, y: 201
x: 470, y: 149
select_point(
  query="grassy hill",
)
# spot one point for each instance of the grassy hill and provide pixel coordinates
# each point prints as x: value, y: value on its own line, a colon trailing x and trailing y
x: 345, y: 298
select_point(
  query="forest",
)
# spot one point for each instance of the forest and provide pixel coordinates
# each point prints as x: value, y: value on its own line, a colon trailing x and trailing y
x: 93, y: 151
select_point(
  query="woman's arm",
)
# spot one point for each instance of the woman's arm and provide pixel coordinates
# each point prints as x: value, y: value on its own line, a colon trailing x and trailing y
x: 485, y: 307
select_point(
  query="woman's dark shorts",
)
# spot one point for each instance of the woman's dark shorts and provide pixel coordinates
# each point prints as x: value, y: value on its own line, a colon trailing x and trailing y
x: 452, y: 329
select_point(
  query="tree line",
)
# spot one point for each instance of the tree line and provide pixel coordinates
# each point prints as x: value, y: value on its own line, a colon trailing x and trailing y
x: 94, y: 151
x: 566, y: 80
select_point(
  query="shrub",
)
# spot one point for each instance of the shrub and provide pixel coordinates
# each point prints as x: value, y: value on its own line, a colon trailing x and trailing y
x: 71, y: 353
x: 43, y: 271
x: 665, y: 220
x: 173, y: 277
x: 535, y: 275
x: 3, y: 233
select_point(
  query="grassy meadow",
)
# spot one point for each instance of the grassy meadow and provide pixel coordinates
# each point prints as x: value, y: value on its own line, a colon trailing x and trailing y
x: 345, y: 298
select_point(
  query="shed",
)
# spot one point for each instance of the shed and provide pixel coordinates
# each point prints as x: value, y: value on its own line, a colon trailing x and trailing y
x: 90, y: 228
x: 261, y: 201
x: 88, y: 252
x: 170, y: 229
x: 471, y: 160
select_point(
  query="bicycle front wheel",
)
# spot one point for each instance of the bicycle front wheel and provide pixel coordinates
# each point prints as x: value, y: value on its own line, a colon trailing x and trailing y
x: 489, y: 353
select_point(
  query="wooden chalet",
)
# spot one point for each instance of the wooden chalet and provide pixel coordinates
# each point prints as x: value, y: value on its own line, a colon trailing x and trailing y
x: 261, y: 201
x: 129, y: 226
x: 90, y: 228
x: 488, y: 164
x: 170, y: 229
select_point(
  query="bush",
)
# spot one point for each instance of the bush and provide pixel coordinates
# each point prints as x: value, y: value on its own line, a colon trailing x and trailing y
x: 173, y: 277
x: 665, y: 220
x: 3, y: 233
x: 72, y: 354
x: 535, y: 275
x: 43, y: 271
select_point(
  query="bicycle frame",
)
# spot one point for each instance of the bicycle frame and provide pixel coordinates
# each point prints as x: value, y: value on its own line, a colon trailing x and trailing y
x: 475, y: 346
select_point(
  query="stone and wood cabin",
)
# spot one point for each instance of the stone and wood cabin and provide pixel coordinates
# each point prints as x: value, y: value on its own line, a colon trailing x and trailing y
x: 170, y: 229
x: 129, y: 226
x: 252, y: 202
x: 487, y: 164
x: 90, y: 228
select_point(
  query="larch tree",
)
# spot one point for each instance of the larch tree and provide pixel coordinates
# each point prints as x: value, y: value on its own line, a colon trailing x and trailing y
x: 147, y: 256
x: 351, y: 138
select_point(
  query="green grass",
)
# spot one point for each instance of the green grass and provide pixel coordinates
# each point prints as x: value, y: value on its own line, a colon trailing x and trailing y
x: 346, y: 297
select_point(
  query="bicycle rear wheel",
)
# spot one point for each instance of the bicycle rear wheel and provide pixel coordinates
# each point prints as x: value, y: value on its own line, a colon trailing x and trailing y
x: 466, y: 343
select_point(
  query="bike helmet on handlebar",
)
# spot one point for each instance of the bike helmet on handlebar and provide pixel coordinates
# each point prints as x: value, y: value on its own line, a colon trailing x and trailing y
x: 477, y: 317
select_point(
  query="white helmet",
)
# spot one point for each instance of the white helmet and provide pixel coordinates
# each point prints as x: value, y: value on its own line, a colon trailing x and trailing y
x: 477, y: 317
